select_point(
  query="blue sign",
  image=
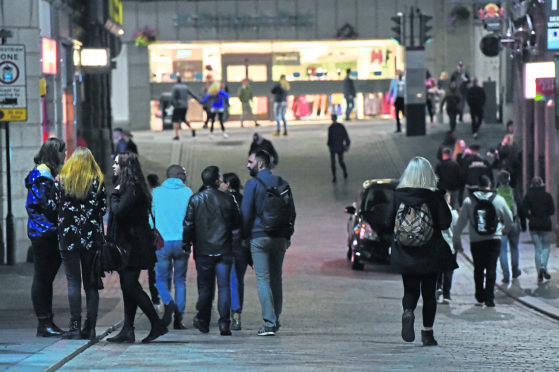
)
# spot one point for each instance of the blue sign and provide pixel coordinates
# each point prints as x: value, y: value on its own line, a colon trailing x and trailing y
x: 552, y: 23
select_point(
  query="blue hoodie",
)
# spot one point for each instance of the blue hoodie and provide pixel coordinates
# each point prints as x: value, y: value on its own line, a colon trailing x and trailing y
x: 41, y: 203
x: 169, y: 208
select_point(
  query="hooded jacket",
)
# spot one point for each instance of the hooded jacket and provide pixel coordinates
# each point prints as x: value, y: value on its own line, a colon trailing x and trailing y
x: 467, y: 215
x: 41, y: 203
x: 169, y: 208
x: 435, y: 256
x: 538, y: 206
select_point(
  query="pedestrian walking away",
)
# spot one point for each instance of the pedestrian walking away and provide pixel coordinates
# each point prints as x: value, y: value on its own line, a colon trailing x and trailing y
x: 444, y: 280
x: 538, y: 206
x: 462, y: 79
x: 81, y: 208
x: 280, y: 90
x: 338, y: 143
x: 420, y: 263
x: 211, y: 217
x: 452, y: 100
x: 241, y: 254
x: 128, y: 227
x: 349, y: 94
x: 179, y: 100
x: 245, y: 96
x: 267, y: 244
x: 489, y: 219
x: 42, y: 224
x: 451, y: 177
x: 475, y: 96
x: 169, y: 204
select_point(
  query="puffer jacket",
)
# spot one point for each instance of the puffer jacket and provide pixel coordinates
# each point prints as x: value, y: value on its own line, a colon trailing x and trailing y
x: 41, y: 203
x: 538, y: 207
x: 435, y: 256
x: 211, y: 217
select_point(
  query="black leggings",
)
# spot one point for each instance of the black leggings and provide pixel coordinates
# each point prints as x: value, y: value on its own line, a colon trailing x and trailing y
x: 134, y: 296
x: 426, y: 284
x: 220, y: 116
x: 47, y: 261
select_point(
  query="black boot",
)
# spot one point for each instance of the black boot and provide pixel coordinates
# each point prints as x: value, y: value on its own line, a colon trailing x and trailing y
x: 47, y: 328
x: 170, y: 309
x: 88, y: 330
x: 126, y: 335
x: 157, y: 329
x: 428, y: 338
x: 74, y: 332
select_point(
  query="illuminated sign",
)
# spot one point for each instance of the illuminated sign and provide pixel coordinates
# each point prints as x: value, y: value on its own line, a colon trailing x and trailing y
x: 95, y: 57
x: 552, y: 23
x: 49, y: 56
x: 113, y: 22
x: 533, y: 71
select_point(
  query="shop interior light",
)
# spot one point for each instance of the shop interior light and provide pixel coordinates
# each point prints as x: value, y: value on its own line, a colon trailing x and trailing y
x: 95, y: 57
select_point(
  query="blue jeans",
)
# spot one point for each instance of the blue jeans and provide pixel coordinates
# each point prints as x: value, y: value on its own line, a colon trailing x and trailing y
x: 542, y: 240
x: 279, y: 112
x: 267, y: 255
x: 238, y: 272
x: 208, y: 269
x: 172, y: 264
x: 350, y: 104
x: 512, y: 239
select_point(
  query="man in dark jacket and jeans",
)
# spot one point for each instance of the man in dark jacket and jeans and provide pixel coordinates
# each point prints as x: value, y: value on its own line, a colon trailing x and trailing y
x: 211, y: 217
x: 338, y: 143
x: 267, y: 247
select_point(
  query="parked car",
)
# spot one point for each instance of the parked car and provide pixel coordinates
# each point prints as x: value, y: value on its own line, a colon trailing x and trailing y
x: 368, y: 237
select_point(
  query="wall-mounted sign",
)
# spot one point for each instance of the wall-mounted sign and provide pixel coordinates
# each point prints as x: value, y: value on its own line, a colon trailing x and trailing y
x: 13, y: 89
x: 95, y: 60
x: 552, y: 23
x: 286, y: 59
x: 49, y: 57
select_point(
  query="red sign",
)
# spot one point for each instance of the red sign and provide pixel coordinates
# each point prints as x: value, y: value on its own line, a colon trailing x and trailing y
x: 50, y: 57
x: 545, y: 87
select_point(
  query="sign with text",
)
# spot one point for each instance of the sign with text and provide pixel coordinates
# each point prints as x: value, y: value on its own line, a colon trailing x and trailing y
x: 552, y: 23
x: 13, y: 89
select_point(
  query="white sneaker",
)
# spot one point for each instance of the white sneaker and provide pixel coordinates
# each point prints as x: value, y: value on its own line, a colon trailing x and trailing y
x: 211, y: 136
x: 225, y: 135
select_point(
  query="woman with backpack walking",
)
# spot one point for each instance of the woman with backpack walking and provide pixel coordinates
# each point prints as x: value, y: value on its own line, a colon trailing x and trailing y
x: 419, y: 251
x: 538, y: 206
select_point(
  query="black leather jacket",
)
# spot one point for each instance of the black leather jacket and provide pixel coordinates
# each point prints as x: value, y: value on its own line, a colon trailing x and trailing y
x: 211, y: 217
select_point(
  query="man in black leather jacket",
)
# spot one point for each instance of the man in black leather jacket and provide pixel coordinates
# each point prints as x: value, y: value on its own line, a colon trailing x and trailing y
x: 211, y: 217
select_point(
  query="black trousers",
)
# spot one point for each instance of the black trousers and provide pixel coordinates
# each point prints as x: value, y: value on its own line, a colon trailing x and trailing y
x: 476, y: 112
x: 485, y: 255
x: 134, y: 296
x: 426, y: 285
x: 340, y: 161
x: 399, y: 106
x: 47, y: 261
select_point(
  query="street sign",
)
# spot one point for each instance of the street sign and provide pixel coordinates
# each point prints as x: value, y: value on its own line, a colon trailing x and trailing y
x: 13, y: 86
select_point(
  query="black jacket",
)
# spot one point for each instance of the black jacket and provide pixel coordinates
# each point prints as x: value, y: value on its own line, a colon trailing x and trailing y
x: 211, y: 217
x: 433, y: 257
x: 538, y: 206
x: 338, y: 139
x: 451, y: 175
x: 129, y: 228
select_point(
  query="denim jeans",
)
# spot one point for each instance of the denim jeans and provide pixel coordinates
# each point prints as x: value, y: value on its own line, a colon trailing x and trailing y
x: 77, y: 266
x: 267, y: 255
x: 47, y: 260
x: 512, y: 239
x: 172, y: 264
x: 542, y: 240
x: 279, y: 113
x: 485, y: 254
x: 208, y: 269
x: 350, y: 104
x: 240, y: 264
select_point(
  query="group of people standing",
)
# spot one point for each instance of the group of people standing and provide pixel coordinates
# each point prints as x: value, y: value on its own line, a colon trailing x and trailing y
x: 66, y: 203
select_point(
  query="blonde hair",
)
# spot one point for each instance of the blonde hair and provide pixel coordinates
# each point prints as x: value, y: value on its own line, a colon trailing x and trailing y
x: 78, y: 173
x: 214, y: 88
x: 283, y: 82
x: 419, y: 173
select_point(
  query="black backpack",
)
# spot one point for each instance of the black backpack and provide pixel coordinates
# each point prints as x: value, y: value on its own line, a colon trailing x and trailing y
x: 277, y: 208
x: 485, y: 215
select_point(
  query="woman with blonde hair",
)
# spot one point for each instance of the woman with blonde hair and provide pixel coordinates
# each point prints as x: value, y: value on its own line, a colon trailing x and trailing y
x: 81, y: 208
x: 421, y: 264
x: 129, y: 228
x: 279, y: 91
x: 218, y: 98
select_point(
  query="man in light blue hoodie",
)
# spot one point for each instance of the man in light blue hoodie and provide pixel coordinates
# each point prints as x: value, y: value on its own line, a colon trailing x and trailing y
x: 169, y: 208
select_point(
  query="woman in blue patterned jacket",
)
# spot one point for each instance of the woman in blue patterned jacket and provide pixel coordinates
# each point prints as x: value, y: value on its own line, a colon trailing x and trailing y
x: 41, y: 230
x: 81, y: 207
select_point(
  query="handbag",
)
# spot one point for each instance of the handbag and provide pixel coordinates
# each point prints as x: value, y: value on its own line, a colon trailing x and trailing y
x: 158, y: 241
x: 112, y: 256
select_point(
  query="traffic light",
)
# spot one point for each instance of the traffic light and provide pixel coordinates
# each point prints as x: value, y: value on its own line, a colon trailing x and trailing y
x: 425, y: 29
x: 399, y: 29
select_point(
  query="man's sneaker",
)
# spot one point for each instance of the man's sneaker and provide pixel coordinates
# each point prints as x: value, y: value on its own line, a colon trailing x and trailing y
x: 447, y: 300
x: 545, y: 274
x: 225, y: 135
x: 439, y: 295
x: 193, y: 133
x: 479, y: 304
x: 198, y: 326
x: 490, y: 303
x: 475, y: 135
x: 267, y: 331
x: 235, y: 321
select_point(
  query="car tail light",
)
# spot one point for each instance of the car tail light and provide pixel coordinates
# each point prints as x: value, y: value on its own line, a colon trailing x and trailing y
x: 365, y: 231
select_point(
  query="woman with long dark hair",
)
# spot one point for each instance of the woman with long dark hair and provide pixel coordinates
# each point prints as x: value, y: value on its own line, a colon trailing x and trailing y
x: 129, y: 228
x: 81, y: 208
x: 42, y: 221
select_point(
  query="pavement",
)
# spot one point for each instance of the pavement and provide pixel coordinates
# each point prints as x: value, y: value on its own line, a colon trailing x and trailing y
x: 21, y: 350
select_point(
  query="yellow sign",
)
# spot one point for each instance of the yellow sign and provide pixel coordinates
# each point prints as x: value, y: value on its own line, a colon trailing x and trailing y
x: 115, y: 11
x: 19, y: 114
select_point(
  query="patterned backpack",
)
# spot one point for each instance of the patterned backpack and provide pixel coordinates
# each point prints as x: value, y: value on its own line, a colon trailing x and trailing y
x: 413, y: 226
